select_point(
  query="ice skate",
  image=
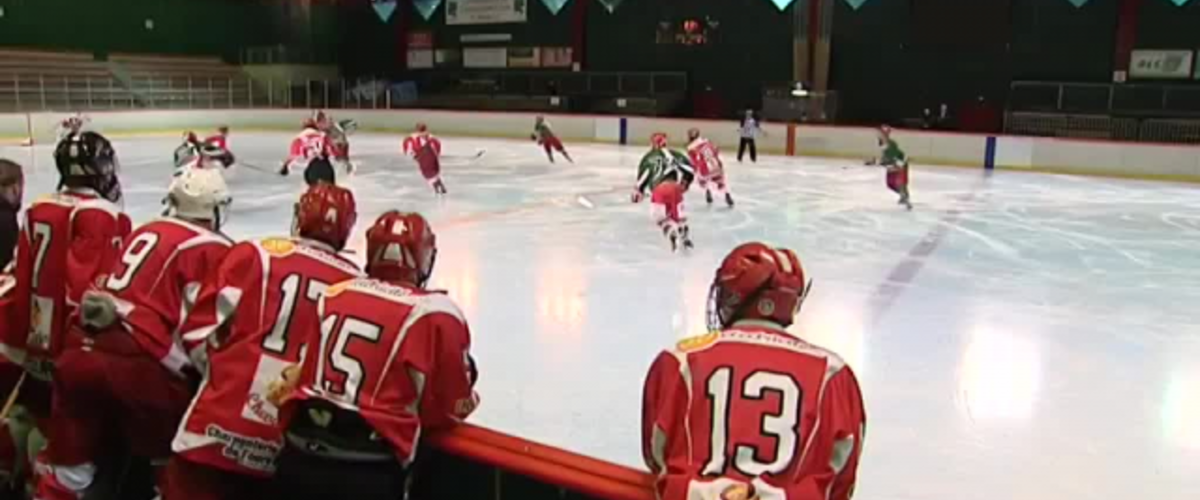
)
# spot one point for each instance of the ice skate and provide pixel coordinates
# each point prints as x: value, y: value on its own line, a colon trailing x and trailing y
x: 708, y: 197
x: 729, y: 200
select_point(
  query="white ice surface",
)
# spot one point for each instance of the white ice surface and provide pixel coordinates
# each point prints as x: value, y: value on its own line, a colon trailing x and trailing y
x: 1023, y: 336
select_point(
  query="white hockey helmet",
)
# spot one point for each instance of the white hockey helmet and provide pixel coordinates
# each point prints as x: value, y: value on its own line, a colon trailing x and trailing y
x: 199, y: 194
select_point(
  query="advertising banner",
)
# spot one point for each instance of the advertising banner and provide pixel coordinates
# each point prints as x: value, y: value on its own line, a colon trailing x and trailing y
x: 490, y: 57
x: 486, y: 11
x: 1162, y: 64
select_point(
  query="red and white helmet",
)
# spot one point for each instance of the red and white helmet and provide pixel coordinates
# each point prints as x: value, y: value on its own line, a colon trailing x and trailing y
x: 756, y: 281
x: 658, y: 140
x: 326, y: 213
x: 401, y: 247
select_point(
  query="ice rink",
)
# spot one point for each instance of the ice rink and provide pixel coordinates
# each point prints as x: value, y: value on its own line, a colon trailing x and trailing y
x: 1019, y: 336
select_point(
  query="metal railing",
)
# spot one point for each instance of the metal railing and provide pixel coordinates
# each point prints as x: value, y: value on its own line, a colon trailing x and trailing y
x: 38, y: 92
x: 1137, y: 99
x: 452, y: 90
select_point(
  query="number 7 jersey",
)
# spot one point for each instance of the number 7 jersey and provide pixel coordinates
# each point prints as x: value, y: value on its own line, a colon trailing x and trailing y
x: 69, y: 239
x: 752, y: 411
x: 255, y: 312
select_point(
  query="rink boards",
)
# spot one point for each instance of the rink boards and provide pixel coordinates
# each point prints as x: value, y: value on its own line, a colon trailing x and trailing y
x: 1087, y: 157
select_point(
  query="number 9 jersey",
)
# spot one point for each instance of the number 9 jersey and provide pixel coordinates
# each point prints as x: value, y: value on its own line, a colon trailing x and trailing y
x: 752, y: 412
x: 255, y: 313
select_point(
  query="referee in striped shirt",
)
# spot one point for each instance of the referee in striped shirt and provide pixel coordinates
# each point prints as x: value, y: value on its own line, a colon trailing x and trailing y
x: 749, y: 131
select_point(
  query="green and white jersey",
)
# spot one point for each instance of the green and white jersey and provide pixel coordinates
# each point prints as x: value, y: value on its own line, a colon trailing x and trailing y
x: 892, y: 154
x: 663, y: 164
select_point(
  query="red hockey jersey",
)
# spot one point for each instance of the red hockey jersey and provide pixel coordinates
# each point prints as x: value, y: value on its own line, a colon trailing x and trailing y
x: 256, y: 312
x: 752, y: 409
x: 395, y: 355
x: 425, y: 149
x: 706, y: 158
x: 157, y: 280
x: 310, y: 144
x: 68, y: 240
x: 219, y: 140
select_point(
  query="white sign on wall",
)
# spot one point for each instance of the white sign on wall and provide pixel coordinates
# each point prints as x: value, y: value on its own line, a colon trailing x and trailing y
x: 486, y: 11
x: 490, y: 57
x: 420, y: 58
x: 1161, y: 64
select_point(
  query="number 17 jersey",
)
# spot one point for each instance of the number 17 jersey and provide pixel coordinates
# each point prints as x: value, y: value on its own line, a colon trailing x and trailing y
x: 256, y: 312
x: 752, y: 412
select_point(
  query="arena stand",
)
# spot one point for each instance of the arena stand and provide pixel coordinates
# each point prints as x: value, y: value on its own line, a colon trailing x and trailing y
x: 1144, y: 112
x: 38, y: 80
x: 183, y: 82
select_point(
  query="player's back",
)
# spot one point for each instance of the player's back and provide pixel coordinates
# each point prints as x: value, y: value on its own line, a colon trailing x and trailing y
x: 423, y: 144
x: 310, y: 143
x: 382, y: 354
x: 68, y: 239
x: 765, y: 409
x: 258, y: 311
x: 705, y: 156
x: 157, y: 279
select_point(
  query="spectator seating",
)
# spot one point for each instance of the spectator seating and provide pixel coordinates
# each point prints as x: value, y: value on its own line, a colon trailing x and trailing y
x: 186, y: 82
x: 62, y: 81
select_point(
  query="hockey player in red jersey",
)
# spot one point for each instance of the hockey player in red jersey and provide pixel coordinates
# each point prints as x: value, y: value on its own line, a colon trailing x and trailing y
x: 390, y: 365
x: 255, y: 313
x: 311, y: 150
x: 750, y: 411
x: 710, y: 171
x: 426, y: 150
x: 544, y: 135
x: 68, y: 239
x: 189, y: 150
x: 125, y: 376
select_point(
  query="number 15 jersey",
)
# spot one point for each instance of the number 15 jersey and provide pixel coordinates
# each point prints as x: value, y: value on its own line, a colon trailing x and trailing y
x: 255, y: 313
x: 397, y: 356
x: 752, y: 412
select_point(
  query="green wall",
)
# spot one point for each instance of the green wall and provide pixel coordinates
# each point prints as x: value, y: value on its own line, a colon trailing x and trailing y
x: 1164, y: 25
x: 212, y: 27
x: 754, y: 46
x: 886, y: 70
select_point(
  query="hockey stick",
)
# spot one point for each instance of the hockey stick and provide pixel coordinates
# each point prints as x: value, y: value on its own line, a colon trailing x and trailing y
x: 12, y: 397
x: 585, y: 199
x: 478, y: 154
x: 252, y: 166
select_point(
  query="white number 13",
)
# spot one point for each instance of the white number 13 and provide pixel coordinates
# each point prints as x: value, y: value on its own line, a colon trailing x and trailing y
x: 783, y: 426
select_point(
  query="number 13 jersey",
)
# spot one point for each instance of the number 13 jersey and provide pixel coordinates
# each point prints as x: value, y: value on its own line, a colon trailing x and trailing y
x: 752, y: 412
x: 255, y: 313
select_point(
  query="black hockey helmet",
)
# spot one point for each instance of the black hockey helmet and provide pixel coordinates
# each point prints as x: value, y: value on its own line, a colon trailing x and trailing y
x: 88, y: 160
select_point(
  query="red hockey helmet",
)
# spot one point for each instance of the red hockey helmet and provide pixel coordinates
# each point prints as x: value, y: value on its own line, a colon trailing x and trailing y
x: 401, y: 247
x: 658, y: 140
x: 422, y: 128
x: 756, y: 281
x: 326, y: 213
x: 693, y: 134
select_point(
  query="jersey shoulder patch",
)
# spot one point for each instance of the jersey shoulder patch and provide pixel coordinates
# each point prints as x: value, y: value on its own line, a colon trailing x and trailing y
x: 277, y: 247
x: 697, y: 342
